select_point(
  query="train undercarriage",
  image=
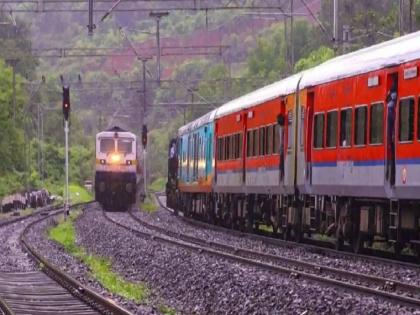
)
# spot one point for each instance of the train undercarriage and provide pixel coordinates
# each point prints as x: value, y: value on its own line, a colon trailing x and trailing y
x: 357, y: 224
x: 115, y: 191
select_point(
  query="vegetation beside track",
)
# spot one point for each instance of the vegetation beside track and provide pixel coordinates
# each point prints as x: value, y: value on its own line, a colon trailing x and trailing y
x: 148, y: 205
x: 101, y: 268
x: 158, y: 185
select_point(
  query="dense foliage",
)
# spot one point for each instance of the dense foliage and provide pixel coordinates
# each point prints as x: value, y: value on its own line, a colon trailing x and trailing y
x: 255, y: 57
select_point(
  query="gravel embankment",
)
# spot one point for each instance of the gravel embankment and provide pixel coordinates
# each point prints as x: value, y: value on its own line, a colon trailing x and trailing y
x: 12, y: 256
x: 357, y: 264
x: 55, y: 254
x: 196, y: 283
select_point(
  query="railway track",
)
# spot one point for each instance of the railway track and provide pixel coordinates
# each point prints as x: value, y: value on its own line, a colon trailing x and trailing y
x: 316, y: 246
x: 49, y: 290
x: 393, y: 290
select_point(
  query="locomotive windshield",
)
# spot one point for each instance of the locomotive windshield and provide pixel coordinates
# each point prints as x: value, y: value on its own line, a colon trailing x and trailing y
x: 107, y: 145
x: 125, y: 145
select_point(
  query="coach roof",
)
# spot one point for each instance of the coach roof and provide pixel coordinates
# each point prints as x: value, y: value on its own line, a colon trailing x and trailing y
x: 197, y: 123
x: 264, y: 94
x: 400, y: 50
x: 396, y: 51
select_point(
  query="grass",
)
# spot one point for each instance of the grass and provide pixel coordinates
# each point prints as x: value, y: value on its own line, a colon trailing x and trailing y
x: 166, y: 310
x: 265, y: 228
x: 79, y: 194
x: 101, y: 268
x: 158, y: 185
x: 148, y: 205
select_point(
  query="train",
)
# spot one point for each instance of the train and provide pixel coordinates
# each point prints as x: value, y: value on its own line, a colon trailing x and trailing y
x: 117, y: 169
x: 333, y: 150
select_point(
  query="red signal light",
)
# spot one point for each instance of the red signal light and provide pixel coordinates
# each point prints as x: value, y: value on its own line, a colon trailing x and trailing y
x: 66, y: 102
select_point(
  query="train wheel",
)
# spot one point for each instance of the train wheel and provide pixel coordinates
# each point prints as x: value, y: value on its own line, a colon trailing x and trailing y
x: 286, y: 233
x: 357, y: 243
x: 297, y: 234
x: 398, y: 246
x: 339, y: 241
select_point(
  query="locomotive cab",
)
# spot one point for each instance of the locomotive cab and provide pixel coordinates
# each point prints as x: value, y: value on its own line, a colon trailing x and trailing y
x: 116, y: 168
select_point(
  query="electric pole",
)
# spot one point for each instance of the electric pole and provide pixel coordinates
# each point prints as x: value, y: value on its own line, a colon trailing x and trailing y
x: 66, y: 114
x: 292, y: 49
x: 158, y: 16
x: 90, y: 26
x: 335, y: 24
x: 401, y: 17
x: 142, y: 121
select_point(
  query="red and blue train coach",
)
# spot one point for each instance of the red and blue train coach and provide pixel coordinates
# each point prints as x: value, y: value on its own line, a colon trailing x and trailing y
x: 195, y: 160
x: 332, y: 150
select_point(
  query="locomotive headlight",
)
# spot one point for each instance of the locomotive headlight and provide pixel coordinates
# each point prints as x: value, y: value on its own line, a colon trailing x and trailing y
x: 115, y: 158
x: 129, y: 162
x: 102, y: 161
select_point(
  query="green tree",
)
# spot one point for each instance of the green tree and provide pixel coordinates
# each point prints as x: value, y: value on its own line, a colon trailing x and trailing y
x: 315, y: 58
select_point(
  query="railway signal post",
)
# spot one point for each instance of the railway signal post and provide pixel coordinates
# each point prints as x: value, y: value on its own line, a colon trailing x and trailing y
x: 66, y: 114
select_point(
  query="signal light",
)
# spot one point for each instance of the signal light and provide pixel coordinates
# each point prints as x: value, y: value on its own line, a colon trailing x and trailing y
x: 144, y: 136
x: 66, y: 102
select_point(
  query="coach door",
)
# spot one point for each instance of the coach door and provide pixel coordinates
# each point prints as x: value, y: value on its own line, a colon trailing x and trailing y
x: 391, y: 108
x: 309, y: 135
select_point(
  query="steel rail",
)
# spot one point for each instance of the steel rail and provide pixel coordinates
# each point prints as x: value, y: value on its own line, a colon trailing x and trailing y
x: 279, y: 242
x: 4, y: 307
x: 77, y: 289
x: 42, y: 210
x: 377, y: 286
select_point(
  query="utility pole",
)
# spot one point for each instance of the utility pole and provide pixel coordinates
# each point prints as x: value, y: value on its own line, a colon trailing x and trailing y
x: 292, y: 49
x: 13, y: 63
x: 142, y: 120
x: 38, y: 136
x: 158, y: 16
x: 42, y: 147
x: 91, y: 26
x: 66, y: 114
x: 335, y: 24
x: 401, y: 17
x: 411, y: 16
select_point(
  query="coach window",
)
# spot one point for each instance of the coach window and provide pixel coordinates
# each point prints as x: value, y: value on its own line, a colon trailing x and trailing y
x: 249, y: 143
x: 262, y: 141
x: 406, y: 123
x: 319, y: 130
x: 222, y: 151
x: 255, y: 151
x: 289, y: 130
x: 227, y: 153
x: 239, y: 136
x: 332, y: 129
x: 360, y: 121
x: 269, y: 139
x: 345, y: 127
x: 276, y: 139
x: 232, y: 147
x: 376, y: 123
x: 107, y: 145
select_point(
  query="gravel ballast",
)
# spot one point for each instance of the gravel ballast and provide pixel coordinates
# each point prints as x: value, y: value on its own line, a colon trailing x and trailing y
x: 196, y: 283
x: 56, y: 255
x: 12, y: 256
x: 397, y: 272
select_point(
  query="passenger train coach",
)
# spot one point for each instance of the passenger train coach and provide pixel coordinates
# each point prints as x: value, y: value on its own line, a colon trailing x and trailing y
x: 334, y: 149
